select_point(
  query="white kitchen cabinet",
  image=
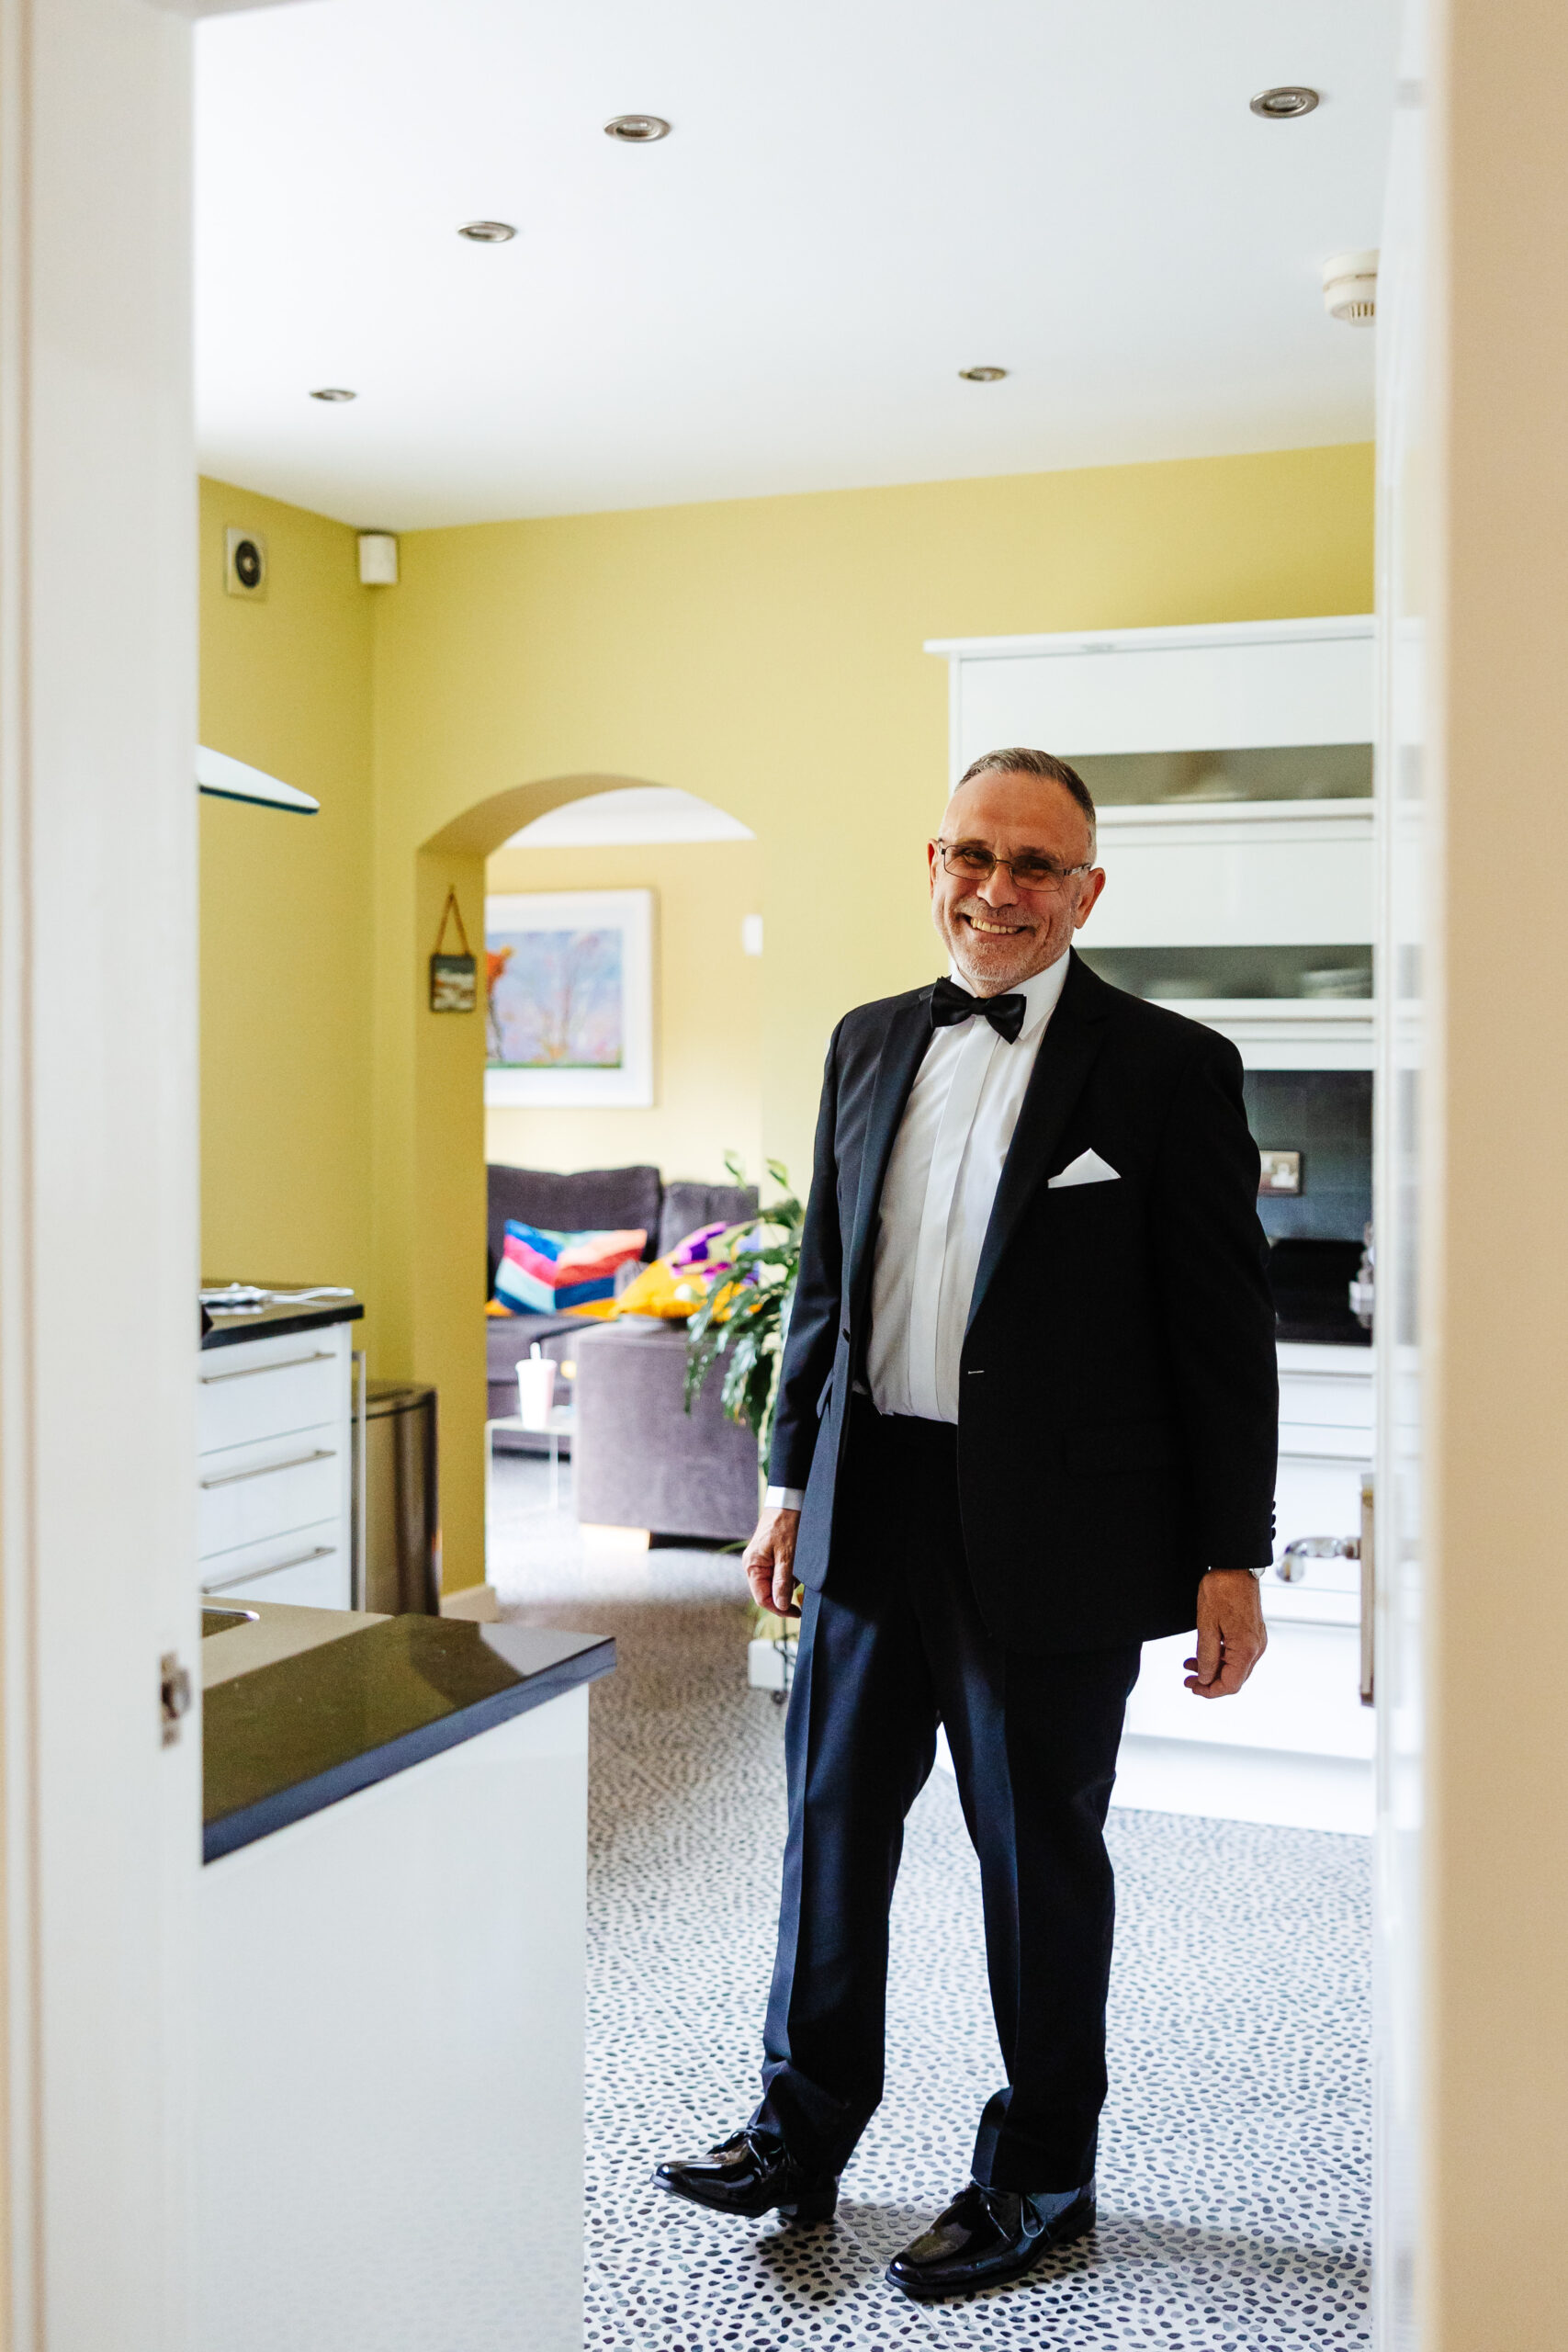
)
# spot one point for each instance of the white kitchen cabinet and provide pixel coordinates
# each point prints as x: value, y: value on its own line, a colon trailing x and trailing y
x: 275, y: 1468
x: 1246, y: 752
x: 1206, y: 877
x: 1229, y: 687
x: 1231, y: 769
x: 1296, y: 1745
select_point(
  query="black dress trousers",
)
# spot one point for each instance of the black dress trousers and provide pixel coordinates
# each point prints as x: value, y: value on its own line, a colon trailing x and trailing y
x: 895, y: 1647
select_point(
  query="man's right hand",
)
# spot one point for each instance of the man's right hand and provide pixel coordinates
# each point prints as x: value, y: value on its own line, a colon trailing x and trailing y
x: 769, y: 1562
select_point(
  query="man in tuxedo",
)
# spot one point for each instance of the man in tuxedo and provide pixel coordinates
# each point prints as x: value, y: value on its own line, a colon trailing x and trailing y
x: 1027, y: 1421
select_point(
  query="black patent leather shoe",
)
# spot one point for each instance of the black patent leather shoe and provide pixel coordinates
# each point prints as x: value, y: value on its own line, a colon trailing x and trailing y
x: 983, y: 2239
x: 750, y: 2174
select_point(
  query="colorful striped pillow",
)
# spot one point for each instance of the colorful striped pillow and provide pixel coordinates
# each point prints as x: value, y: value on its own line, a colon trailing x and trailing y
x: 542, y: 1272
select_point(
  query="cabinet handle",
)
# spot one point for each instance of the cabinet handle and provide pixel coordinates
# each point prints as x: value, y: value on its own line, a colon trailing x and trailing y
x: 249, y: 1576
x: 265, y: 1469
x: 1292, y: 1562
x: 251, y: 1371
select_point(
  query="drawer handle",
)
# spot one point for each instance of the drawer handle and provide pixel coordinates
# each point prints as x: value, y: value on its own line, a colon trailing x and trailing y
x: 250, y: 1371
x: 248, y: 1576
x: 265, y: 1469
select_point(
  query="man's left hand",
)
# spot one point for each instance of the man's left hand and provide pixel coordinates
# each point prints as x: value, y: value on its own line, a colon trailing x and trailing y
x: 1232, y: 1636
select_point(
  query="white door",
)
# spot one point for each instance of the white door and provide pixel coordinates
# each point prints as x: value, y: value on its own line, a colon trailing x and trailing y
x: 1403, y: 800
x: 98, y: 1228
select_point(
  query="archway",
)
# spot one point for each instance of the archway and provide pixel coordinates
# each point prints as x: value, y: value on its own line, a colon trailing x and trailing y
x: 431, y: 1229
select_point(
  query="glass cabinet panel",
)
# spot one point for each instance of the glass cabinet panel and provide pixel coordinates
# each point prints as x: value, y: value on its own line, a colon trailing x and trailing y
x: 1285, y: 772
x: 1327, y: 975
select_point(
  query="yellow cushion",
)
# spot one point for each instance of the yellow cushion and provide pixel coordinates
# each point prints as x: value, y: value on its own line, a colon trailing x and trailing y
x: 660, y: 1290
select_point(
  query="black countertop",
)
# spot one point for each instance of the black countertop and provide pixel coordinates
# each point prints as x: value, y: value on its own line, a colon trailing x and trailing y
x: 276, y: 1322
x: 298, y: 1734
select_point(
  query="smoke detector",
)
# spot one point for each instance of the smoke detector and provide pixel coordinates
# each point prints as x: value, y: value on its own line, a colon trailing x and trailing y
x: 1351, y: 286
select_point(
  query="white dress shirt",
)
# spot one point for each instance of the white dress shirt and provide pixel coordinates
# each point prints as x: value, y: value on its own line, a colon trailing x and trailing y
x: 936, y: 1204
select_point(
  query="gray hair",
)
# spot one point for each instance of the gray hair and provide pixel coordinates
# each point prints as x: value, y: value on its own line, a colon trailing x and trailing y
x: 1019, y: 761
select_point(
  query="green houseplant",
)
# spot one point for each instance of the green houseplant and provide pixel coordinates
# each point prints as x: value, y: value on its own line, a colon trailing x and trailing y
x: 740, y: 1325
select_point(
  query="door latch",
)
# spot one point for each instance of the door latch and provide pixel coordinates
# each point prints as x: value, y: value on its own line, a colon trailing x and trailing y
x: 174, y: 1694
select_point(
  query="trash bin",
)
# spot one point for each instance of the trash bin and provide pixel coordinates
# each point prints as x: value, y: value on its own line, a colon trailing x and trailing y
x: 402, y: 1523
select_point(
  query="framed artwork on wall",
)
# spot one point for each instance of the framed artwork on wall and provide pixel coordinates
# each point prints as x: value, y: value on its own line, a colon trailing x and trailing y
x: 569, y: 1005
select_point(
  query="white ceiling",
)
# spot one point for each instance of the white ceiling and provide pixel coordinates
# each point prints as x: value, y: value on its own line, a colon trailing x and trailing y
x: 631, y: 814
x: 858, y: 198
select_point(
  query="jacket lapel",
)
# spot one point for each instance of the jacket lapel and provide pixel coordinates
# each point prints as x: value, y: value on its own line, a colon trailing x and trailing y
x: 1068, y: 1050
x: 903, y: 1049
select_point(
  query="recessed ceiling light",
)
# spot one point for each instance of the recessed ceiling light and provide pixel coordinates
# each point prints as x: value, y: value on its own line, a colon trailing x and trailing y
x: 982, y: 375
x: 487, y: 232
x: 636, y: 130
x: 1282, y: 105
x: 333, y: 392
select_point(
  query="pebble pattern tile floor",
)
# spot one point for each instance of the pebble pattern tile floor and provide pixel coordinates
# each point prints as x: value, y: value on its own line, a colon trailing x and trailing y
x: 1234, y: 2159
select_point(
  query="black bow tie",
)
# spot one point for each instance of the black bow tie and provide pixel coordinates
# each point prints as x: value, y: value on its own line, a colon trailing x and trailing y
x: 950, y: 1004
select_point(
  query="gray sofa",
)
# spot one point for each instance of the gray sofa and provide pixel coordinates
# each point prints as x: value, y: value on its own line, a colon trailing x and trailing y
x: 640, y: 1460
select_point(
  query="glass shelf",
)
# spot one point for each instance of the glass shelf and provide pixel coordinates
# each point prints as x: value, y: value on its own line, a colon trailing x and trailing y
x: 1321, y: 974
x: 1286, y: 771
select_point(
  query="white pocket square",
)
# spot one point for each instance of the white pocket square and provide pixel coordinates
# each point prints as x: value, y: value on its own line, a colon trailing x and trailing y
x: 1087, y: 1169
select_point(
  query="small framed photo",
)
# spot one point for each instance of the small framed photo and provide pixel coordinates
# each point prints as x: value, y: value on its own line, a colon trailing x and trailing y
x: 570, y: 1010
x: 454, y: 983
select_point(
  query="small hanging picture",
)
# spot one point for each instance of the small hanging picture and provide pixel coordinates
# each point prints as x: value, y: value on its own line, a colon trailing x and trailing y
x: 454, y: 979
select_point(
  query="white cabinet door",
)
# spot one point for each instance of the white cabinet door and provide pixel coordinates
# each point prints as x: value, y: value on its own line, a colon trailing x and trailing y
x: 1299, y: 873
x: 1227, y: 688
x: 1303, y: 1697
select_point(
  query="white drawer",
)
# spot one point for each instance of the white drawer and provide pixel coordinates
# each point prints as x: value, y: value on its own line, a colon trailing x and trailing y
x: 322, y: 1548
x: 1304, y: 1694
x: 313, y: 1584
x: 249, y: 1492
x: 1326, y: 1399
x: 1322, y: 1442
x: 267, y: 1387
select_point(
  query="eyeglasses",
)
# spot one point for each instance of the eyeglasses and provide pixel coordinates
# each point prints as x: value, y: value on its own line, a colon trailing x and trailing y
x: 972, y: 862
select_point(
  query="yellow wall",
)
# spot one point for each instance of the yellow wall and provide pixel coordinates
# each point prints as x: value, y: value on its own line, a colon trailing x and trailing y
x: 706, y: 1086
x: 764, y: 654
x: 286, y: 910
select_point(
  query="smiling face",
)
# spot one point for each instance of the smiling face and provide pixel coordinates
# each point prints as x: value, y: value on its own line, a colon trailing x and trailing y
x: 995, y: 933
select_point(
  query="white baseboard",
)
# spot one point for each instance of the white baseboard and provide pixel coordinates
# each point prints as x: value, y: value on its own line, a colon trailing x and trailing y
x: 1221, y: 1784
x: 476, y: 1601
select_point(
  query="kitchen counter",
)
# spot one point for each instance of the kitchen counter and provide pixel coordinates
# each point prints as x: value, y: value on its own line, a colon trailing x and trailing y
x: 304, y: 1706
x: 391, y: 1974
x: 229, y: 1328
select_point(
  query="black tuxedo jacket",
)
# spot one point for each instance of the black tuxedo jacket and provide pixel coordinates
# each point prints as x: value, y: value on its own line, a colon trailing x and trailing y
x: 1118, y: 1400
